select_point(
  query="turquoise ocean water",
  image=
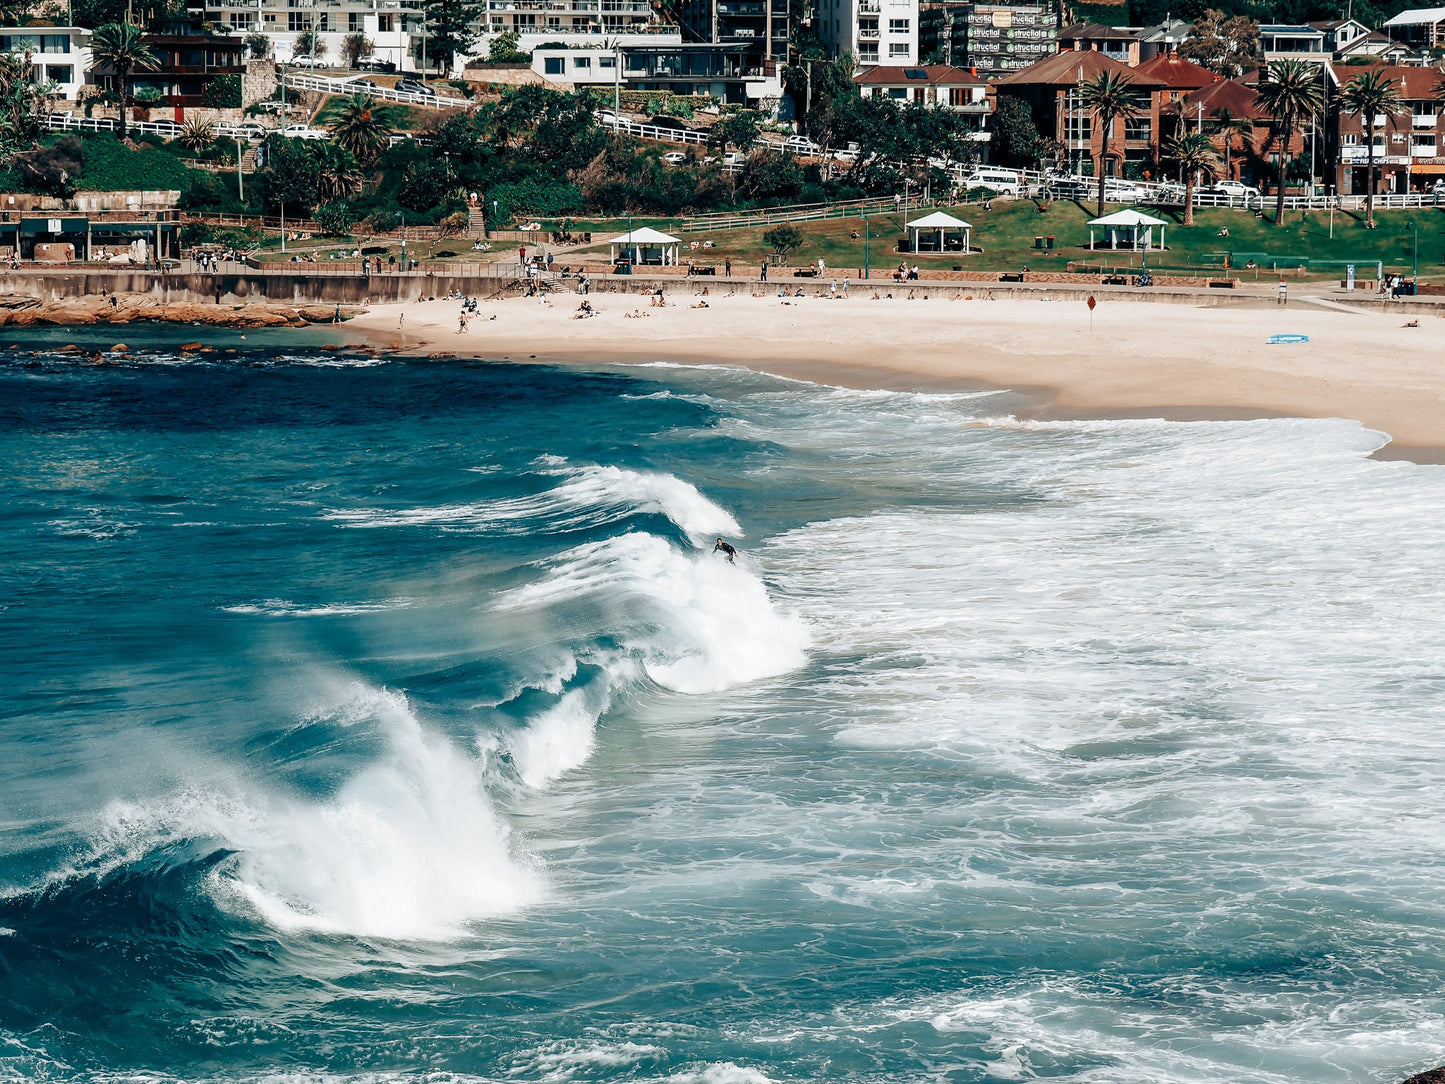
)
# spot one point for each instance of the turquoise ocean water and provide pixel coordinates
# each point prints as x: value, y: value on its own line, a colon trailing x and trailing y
x: 377, y: 720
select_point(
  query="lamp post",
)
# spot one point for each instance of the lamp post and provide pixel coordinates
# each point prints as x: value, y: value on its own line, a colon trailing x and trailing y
x: 240, y: 177
x: 1414, y: 251
x: 866, y: 239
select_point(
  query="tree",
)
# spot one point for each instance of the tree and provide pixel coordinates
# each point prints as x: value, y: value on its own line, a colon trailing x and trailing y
x: 1368, y: 96
x: 18, y: 123
x: 355, y: 46
x: 738, y: 129
x: 1195, y: 155
x: 309, y: 43
x: 1109, y: 95
x: 1228, y: 125
x: 197, y: 135
x: 259, y: 45
x: 1222, y: 44
x: 503, y: 49
x: 783, y: 239
x: 358, y: 128
x: 1016, y: 139
x: 449, y: 29
x: 1290, y: 94
x: 335, y: 219
x: 52, y: 170
x: 119, y: 47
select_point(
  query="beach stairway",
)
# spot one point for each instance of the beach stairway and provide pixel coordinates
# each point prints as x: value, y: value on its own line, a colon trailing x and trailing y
x: 248, y: 160
x: 476, y: 223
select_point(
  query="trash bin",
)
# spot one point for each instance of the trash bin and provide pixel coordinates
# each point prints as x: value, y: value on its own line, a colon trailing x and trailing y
x: 1049, y: 242
x: 622, y: 269
x: 1038, y: 243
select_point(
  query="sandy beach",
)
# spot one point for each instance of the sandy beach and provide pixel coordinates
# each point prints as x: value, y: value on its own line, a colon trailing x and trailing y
x: 1174, y: 360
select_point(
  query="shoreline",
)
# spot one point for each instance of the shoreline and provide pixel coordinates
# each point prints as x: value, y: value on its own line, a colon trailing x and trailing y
x: 1164, y: 360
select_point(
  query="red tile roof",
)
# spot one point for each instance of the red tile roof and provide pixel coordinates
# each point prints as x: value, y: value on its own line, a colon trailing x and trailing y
x: 1075, y: 66
x: 1410, y: 81
x: 1174, y: 71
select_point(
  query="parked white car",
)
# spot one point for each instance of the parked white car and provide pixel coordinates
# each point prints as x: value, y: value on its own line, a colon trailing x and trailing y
x: 734, y: 158
x: 1124, y: 192
x: 1003, y: 181
x: 305, y: 60
x: 801, y: 145
x: 250, y: 129
x: 304, y: 131
x: 674, y: 158
x: 1235, y: 190
x: 847, y: 154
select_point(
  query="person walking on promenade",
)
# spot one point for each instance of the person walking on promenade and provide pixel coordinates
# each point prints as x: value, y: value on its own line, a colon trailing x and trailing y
x: 764, y: 277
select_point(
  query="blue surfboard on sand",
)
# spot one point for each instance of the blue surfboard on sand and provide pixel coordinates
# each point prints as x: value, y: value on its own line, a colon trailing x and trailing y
x: 1276, y: 340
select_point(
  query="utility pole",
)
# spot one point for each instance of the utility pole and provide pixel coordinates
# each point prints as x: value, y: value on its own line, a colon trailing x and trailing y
x: 240, y: 178
x: 866, y: 238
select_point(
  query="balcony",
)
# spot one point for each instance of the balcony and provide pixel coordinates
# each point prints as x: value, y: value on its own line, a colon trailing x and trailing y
x: 868, y: 35
x: 1423, y: 150
x: 1423, y: 120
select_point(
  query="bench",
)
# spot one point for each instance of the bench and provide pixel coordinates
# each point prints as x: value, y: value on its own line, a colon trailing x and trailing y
x: 1011, y: 278
x: 1114, y: 280
x: 1221, y: 284
x: 806, y: 273
x: 707, y: 269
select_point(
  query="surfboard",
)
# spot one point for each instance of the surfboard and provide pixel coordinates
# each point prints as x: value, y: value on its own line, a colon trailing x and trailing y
x: 1276, y: 340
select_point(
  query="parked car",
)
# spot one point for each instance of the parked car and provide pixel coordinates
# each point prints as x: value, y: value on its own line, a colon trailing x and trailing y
x: 671, y: 123
x: 801, y: 145
x: 374, y: 64
x: 674, y: 158
x: 306, y: 60
x: 409, y: 85
x: 1235, y: 190
x: 304, y: 131
x: 360, y: 86
x: 1119, y: 191
x: 1003, y: 181
x: 250, y: 130
x: 734, y: 158
x: 607, y: 116
x: 847, y: 154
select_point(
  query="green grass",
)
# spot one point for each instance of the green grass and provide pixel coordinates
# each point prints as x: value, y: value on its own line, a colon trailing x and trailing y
x: 1006, y: 233
x: 111, y: 166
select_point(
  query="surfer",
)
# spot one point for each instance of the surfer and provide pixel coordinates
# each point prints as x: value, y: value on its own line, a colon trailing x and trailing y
x: 727, y: 551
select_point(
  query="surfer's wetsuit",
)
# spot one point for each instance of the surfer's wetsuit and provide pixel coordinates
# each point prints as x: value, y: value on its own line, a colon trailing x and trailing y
x: 727, y: 550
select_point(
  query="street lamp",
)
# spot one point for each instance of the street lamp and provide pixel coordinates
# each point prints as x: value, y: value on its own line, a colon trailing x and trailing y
x: 866, y: 238
x: 1414, y: 252
x: 240, y: 177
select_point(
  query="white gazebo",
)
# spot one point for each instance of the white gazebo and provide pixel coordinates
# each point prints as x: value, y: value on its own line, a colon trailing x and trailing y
x: 647, y: 246
x: 1129, y: 223
x: 943, y: 224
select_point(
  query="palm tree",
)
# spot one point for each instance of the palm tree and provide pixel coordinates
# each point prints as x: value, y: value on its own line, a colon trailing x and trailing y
x: 119, y: 45
x: 360, y: 130
x: 1228, y: 125
x: 1290, y: 94
x: 197, y: 135
x: 1195, y: 155
x: 1367, y: 96
x: 336, y: 174
x: 1108, y: 95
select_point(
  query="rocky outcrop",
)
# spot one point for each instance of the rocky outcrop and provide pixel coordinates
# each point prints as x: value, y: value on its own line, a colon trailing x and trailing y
x: 20, y: 310
x: 1430, y: 1076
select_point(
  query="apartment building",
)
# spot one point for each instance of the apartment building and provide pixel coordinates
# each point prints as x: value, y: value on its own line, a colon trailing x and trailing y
x: 760, y: 26
x: 536, y: 21
x: 875, y: 31
x: 990, y: 38
x: 390, y: 25
x: 58, y: 54
x: 187, y: 58
x: 1407, y: 144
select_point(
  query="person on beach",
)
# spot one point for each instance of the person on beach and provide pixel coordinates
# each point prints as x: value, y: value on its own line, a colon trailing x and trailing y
x: 400, y: 321
x: 727, y: 551
x: 763, y: 277
x: 727, y: 267
x: 336, y: 319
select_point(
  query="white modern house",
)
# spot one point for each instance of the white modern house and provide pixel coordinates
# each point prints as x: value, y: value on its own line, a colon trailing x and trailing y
x: 875, y: 31
x: 58, y: 54
x: 391, y: 25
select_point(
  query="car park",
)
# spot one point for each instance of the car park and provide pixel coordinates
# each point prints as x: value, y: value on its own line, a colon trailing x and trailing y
x: 304, y: 131
x: 415, y: 86
x: 306, y: 60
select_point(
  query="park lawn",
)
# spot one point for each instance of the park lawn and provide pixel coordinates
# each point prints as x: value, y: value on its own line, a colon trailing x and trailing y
x: 1004, y: 236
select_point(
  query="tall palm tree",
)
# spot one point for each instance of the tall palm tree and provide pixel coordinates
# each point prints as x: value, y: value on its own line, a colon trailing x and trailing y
x: 1367, y: 96
x: 1228, y: 125
x: 1290, y: 93
x: 119, y: 45
x: 1108, y: 95
x: 360, y: 130
x: 1195, y: 155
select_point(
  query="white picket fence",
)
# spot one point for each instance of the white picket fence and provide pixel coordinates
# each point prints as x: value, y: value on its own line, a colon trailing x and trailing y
x: 652, y: 131
x: 345, y: 85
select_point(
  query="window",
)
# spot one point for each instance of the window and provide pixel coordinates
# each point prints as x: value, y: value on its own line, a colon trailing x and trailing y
x: 552, y: 65
x: 868, y: 53
x: 321, y: 22
x: 957, y: 95
x: 240, y: 20
x: 898, y: 26
x: 59, y: 73
x: 898, y: 48
x: 384, y: 24
x: 1350, y: 139
x: 353, y: 22
x: 899, y: 93
x: 582, y: 63
x: 1137, y: 127
x: 298, y: 20
x: 607, y: 62
x: 270, y: 17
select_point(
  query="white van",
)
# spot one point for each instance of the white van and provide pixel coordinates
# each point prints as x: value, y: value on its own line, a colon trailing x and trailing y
x: 1003, y: 181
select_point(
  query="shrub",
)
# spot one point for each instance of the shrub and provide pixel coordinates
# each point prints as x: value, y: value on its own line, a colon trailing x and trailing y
x: 223, y: 92
x: 335, y: 219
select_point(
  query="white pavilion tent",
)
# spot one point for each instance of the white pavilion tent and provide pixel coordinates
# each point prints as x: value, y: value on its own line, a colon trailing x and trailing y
x: 645, y: 246
x: 1129, y: 223
x: 942, y: 223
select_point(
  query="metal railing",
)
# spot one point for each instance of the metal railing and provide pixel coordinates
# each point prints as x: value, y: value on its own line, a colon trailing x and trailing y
x: 344, y: 85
